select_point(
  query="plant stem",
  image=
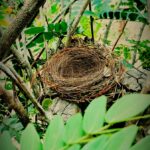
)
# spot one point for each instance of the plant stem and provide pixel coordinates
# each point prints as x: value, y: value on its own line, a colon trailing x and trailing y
x: 134, y: 118
x: 76, y: 21
x: 107, y: 32
x: 91, y: 23
x: 63, y: 11
x: 120, y: 35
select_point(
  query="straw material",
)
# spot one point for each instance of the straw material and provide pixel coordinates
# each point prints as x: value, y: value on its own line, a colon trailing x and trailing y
x: 79, y: 73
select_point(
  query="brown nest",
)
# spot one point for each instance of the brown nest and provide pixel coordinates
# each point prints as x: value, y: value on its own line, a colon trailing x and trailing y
x: 80, y: 73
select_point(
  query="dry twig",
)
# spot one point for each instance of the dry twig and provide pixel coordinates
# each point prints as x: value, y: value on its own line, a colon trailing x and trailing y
x: 22, y: 86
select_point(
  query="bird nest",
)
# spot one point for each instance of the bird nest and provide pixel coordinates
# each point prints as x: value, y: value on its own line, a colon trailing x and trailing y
x: 81, y: 73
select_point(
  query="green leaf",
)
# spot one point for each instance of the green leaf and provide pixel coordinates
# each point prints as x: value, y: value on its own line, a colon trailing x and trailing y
x: 48, y: 35
x: 51, y: 27
x: 89, y: 13
x: 8, y: 85
x: 54, y: 134
x: 1, y: 16
x: 143, y: 144
x: 5, y: 141
x: 46, y: 103
x: 30, y: 139
x: 98, y: 143
x: 123, y: 139
x: 34, y: 30
x: 57, y: 27
x: 127, y: 107
x: 94, y: 115
x: 73, y: 129
x: 74, y: 147
x: 63, y: 25
x: 54, y: 8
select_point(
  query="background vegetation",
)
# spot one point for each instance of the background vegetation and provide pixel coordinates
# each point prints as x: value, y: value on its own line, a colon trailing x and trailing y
x: 30, y: 33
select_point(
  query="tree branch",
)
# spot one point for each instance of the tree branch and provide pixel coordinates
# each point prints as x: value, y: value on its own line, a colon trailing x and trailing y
x: 107, y: 32
x: 22, y: 86
x: 63, y: 11
x: 23, y: 18
x: 76, y: 21
x: 15, y: 104
x: 120, y: 35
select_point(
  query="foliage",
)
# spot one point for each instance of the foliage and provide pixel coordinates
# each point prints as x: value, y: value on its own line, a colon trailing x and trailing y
x: 11, y: 125
x: 142, y: 47
x: 94, y: 130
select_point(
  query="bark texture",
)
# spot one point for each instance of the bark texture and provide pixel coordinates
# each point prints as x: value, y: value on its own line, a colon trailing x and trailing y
x: 24, y: 17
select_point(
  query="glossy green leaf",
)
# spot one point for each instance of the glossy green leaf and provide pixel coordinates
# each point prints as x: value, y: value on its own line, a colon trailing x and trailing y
x: 143, y: 144
x: 73, y: 129
x: 127, y: 106
x: 123, y: 139
x: 39, y: 39
x: 74, y: 147
x: 94, y: 115
x: 48, y: 35
x: 30, y: 139
x: 63, y: 25
x: 5, y: 141
x: 54, y: 134
x: 98, y: 143
x: 51, y: 27
x: 57, y: 27
x: 34, y: 30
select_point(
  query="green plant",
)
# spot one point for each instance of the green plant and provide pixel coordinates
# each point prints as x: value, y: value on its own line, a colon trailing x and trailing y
x: 12, y: 126
x: 143, y: 49
x: 94, y: 130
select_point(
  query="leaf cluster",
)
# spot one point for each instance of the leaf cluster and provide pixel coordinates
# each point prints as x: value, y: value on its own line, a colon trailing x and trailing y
x: 93, y: 130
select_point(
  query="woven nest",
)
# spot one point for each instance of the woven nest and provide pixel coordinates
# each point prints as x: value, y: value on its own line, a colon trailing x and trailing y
x: 80, y: 73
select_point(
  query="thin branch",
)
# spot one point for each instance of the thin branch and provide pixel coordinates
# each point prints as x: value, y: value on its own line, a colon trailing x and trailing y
x: 120, y: 35
x: 136, y: 46
x: 107, y: 32
x: 38, y: 56
x: 76, y: 21
x: 7, y: 58
x: 91, y: 23
x: 15, y: 104
x: 53, y: 21
x: 63, y: 11
x: 22, y: 60
x: 32, y: 39
x: 22, y: 86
